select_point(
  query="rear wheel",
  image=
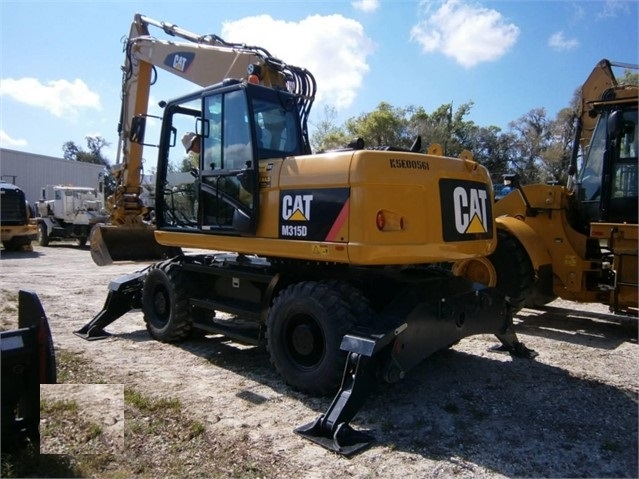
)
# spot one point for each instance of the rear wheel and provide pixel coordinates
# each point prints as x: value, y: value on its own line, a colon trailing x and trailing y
x: 306, y: 324
x: 43, y: 235
x: 165, y: 303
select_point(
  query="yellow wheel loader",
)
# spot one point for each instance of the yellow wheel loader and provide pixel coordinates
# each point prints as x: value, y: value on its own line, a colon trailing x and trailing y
x: 334, y: 260
x: 16, y: 227
x: 579, y: 241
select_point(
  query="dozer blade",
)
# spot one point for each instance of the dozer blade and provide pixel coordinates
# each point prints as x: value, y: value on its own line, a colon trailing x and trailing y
x: 111, y: 243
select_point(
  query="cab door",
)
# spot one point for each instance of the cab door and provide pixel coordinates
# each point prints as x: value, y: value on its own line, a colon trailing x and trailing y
x: 228, y: 176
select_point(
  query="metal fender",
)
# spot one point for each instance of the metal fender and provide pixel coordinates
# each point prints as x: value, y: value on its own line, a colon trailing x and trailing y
x: 46, y: 221
x: 532, y: 243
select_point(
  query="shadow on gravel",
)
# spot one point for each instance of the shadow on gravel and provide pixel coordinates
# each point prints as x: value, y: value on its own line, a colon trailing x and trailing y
x: 586, y: 328
x: 519, y: 418
x: 19, y: 254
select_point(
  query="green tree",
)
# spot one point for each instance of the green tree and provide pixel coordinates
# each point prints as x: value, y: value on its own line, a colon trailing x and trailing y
x: 95, y: 144
x: 532, y: 139
x: 385, y: 126
x: 629, y: 77
x: 556, y: 158
x: 493, y: 149
x: 327, y: 135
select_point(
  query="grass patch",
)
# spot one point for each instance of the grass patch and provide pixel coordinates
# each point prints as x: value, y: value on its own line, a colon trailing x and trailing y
x: 161, y: 439
x: 64, y: 431
x: 8, y: 310
x: 61, y: 406
x: 148, y: 404
x: 75, y: 368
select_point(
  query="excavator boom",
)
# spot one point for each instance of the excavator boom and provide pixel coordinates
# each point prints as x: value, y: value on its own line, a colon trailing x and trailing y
x: 200, y: 59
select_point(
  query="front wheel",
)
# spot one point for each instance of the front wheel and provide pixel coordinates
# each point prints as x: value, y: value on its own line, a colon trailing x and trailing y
x: 306, y: 324
x: 508, y: 270
x: 18, y: 243
x: 43, y: 235
x: 515, y: 274
x: 165, y: 303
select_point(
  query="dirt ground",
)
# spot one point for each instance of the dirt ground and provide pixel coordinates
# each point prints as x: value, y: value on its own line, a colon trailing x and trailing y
x: 465, y: 412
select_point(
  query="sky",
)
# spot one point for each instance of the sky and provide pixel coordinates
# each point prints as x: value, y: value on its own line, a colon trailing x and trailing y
x: 60, y: 61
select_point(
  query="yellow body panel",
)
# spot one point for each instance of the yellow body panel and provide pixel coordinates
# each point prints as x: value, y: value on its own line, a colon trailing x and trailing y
x: 548, y: 238
x: 7, y: 233
x: 404, y: 186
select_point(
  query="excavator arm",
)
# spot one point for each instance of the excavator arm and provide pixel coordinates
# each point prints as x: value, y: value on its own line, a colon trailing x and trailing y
x: 200, y: 59
x: 600, y: 87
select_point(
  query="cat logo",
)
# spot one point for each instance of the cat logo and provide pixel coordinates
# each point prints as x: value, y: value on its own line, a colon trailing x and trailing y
x: 470, y: 210
x: 296, y: 207
x: 180, y: 61
x: 313, y: 215
x: 466, y: 210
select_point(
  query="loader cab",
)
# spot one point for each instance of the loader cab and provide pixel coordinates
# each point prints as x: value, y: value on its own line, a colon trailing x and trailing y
x: 607, y: 183
x: 237, y: 125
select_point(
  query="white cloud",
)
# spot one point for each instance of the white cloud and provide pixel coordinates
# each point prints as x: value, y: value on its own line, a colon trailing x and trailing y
x: 558, y: 42
x: 470, y: 34
x: 365, y: 5
x: 7, y: 142
x: 61, y: 98
x: 333, y: 48
x: 612, y: 9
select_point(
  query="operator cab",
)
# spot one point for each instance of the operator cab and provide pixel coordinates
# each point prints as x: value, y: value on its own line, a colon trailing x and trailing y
x: 608, y: 181
x: 216, y: 190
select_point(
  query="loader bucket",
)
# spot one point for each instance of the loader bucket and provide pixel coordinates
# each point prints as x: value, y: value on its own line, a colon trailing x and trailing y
x: 111, y: 243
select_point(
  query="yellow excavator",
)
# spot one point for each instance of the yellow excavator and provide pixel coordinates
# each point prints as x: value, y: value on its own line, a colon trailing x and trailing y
x: 576, y: 241
x: 203, y: 60
x: 334, y: 261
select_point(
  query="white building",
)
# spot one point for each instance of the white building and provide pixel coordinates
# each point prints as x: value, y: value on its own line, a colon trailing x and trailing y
x: 33, y: 172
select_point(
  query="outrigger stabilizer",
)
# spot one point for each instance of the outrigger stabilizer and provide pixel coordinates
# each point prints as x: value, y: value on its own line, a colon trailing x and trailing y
x: 431, y: 325
x: 125, y: 294
x: 427, y: 316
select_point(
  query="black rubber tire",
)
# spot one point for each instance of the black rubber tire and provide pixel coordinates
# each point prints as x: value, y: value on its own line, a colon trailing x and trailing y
x: 82, y: 241
x: 43, y: 235
x: 358, y: 303
x: 16, y: 243
x: 306, y: 324
x: 515, y: 274
x: 165, y: 303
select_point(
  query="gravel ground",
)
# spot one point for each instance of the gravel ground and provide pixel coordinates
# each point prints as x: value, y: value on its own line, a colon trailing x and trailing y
x: 464, y: 412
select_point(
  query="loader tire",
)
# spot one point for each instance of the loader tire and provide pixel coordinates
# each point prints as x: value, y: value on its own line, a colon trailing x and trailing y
x: 18, y: 243
x: 43, y: 235
x: 165, y: 303
x: 306, y: 324
x: 515, y: 274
